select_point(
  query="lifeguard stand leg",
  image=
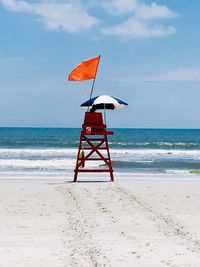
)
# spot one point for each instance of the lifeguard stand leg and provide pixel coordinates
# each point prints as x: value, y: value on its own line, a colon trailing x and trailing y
x: 78, y: 157
x: 75, y: 175
x: 109, y: 159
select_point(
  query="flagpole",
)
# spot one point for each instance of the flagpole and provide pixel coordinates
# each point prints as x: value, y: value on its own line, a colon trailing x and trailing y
x: 93, y: 83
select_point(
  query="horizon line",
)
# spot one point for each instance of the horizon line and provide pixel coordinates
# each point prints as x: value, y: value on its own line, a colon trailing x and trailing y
x: 135, y: 128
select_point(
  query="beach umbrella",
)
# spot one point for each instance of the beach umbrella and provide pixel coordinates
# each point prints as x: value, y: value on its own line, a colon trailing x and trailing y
x: 104, y: 102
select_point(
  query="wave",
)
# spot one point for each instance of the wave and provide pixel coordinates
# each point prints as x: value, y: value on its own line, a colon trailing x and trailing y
x: 156, y: 145
x: 184, y: 171
x: 194, y: 171
x: 157, y: 164
x: 59, y: 153
x: 158, y: 152
x: 37, y: 153
x: 15, y: 164
x: 34, y: 143
x: 9, y: 152
x: 45, y: 165
x: 62, y: 160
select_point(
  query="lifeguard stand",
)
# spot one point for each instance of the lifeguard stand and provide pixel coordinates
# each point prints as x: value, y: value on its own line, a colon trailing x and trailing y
x: 94, y: 140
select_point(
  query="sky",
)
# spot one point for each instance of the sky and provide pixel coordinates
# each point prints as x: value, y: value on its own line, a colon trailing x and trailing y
x: 150, y: 58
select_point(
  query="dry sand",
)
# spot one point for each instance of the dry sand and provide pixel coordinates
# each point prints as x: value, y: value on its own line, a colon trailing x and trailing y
x: 140, y: 223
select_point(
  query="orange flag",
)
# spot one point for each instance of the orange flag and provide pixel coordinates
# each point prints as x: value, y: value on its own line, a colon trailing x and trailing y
x: 86, y: 70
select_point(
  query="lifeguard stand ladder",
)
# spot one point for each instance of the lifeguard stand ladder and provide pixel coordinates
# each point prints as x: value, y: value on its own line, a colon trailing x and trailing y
x: 94, y: 140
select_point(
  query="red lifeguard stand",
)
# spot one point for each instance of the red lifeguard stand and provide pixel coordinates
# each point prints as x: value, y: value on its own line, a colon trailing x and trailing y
x: 94, y: 140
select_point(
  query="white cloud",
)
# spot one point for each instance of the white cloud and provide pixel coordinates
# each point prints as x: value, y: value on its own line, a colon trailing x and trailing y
x: 140, y: 20
x: 134, y: 28
x: 120, y: 6
x: 143, y: 11
x: 71, y: 17
x: 141, y: 23
x: 154, y: 11
x: 177, y: 75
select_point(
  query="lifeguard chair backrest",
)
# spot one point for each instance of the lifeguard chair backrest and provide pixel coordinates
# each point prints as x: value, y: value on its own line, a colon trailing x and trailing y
x: 93, y: 119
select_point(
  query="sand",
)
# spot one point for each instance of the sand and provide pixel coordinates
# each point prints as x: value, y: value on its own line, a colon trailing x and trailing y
x: 144, y: 223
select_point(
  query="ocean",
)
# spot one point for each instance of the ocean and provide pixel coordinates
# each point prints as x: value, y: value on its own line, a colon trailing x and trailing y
x: 134, y: 152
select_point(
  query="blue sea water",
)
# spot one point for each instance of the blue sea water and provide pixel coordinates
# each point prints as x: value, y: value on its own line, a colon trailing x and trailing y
x: 53, y: 151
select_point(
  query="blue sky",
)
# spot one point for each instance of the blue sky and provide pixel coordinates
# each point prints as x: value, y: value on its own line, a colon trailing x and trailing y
x: 150, y: 59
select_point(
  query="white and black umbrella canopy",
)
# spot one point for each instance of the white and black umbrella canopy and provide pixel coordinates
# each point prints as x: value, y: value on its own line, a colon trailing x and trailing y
x: 104, y: 102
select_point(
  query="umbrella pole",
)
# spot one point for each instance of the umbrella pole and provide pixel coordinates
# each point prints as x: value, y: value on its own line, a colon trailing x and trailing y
x: 104, y: 114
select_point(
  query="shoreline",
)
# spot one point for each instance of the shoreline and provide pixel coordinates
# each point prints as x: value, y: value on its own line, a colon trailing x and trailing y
x: 119, y: 176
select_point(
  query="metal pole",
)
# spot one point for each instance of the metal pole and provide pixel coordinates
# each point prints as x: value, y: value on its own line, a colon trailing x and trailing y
x: 104, y: 115
x: 91, y: 93
x: 93, y: 83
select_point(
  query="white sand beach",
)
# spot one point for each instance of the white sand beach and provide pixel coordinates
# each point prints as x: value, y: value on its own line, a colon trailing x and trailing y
x: 140, y: 223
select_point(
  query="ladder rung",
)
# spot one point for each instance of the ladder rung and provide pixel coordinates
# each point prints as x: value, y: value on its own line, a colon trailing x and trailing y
x: 94, y: 139
x: 89, y: 148
x: 93, y: 170
x: 96, y: 159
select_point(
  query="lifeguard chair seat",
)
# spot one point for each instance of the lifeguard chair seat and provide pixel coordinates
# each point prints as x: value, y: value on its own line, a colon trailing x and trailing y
x: 93, y: 124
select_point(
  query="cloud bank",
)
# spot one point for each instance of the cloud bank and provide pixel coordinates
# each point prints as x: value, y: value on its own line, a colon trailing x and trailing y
x: 141, y: 23
x: 139, y: 20
x: 71, y: 17
x: 176, y: 75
